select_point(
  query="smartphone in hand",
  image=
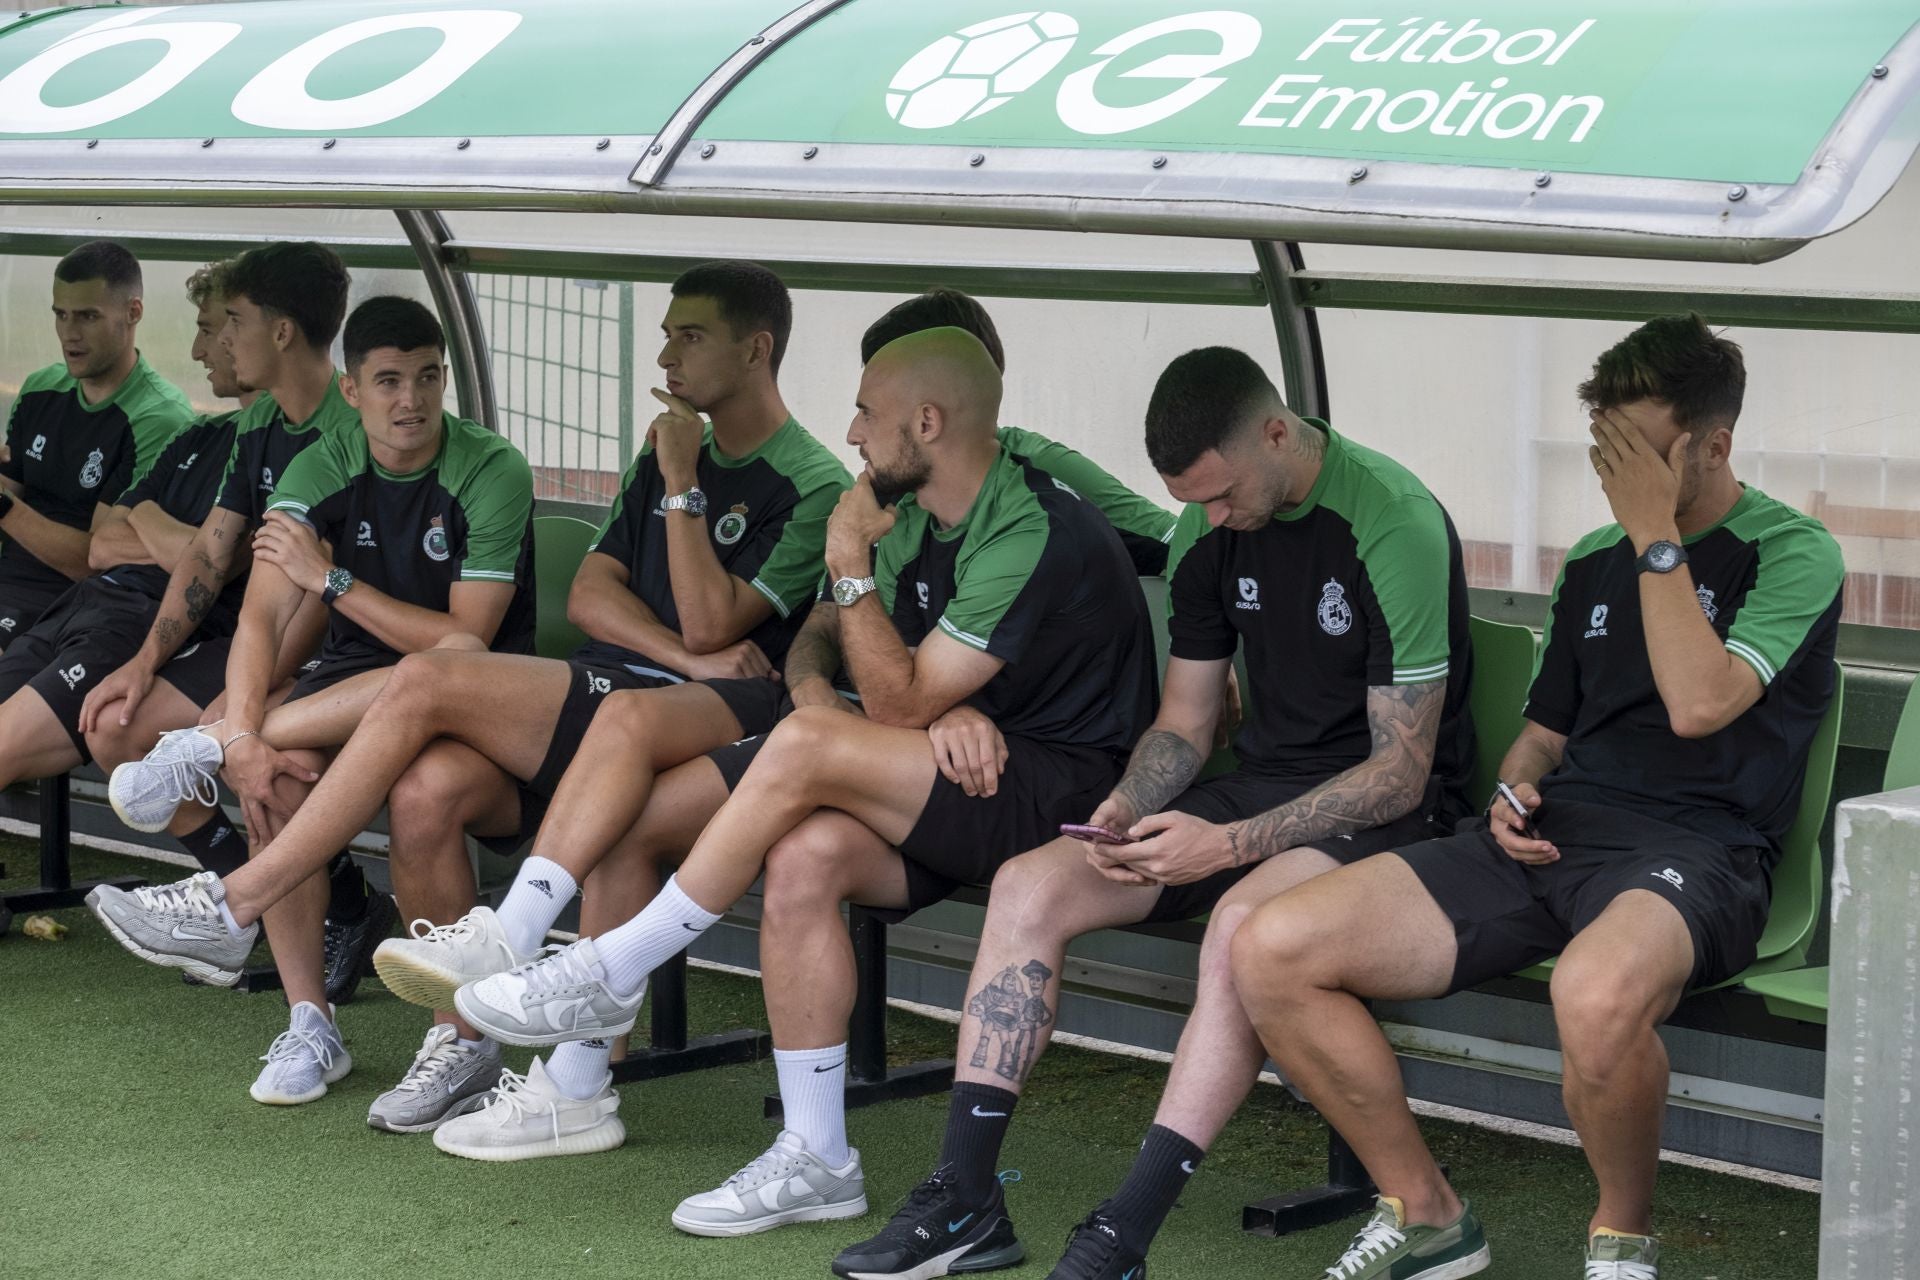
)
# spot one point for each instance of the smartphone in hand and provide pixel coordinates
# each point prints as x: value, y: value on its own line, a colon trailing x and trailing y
x: 1513, y: 802
x: 1094, y: 835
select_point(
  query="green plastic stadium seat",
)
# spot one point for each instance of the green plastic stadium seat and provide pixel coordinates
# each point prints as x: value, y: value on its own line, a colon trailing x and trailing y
x: 559, y: 545
x: 1502, y: 670
x: 1903, y: 758
x: 1800, y: 994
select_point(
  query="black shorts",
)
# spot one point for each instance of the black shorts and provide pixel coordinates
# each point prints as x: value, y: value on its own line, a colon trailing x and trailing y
x: 324, y: 672
x: 199, y: 671
x: 21, y: 607
x: 1233, y: 796
x: 732, y: 760
x: 1508, y: 915
x: 82, y: 639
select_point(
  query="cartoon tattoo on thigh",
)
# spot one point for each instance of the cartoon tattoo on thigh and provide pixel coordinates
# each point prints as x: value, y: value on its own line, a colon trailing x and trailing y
x: 1011, y: 1013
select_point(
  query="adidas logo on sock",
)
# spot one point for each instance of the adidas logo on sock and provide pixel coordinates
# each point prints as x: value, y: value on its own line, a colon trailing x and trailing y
x: 593, y: 1044
x: 546, y: 890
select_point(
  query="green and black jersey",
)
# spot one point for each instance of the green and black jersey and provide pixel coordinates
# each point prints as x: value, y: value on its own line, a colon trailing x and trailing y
x: 1768, y: 578
x: 1361, y: 586
x: 183, y: 481
x: 467, y: 516
x: 1036, y: 576
x: 70, y: 456
x: 265, y: 443
x: 1145, y: 527
x: 767, y: 514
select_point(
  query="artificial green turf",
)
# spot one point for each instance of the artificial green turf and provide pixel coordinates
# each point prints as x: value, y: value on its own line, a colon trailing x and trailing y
x: 128, y: 1146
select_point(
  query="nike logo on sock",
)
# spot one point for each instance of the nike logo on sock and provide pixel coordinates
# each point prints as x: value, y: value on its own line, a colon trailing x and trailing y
x: 832, y: 1066
x: 690, y: 928
x: 955, y: 1226
x: 988, y: 1115
x: 1186, y: 1166
x: 546, y: 889
x: 1131, y: 1274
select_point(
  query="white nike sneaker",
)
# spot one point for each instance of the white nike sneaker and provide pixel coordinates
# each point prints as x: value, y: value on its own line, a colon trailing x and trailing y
x: 527, y: 1117
x: 303, y: 1060
x: 786, y: 1184
x: 561, y: 996
x: 427, y: 968
x: 184, y: 765
x: 178, y: 925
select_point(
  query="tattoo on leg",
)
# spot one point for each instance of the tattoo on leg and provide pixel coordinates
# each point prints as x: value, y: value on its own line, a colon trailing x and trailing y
x: 1011, y: 1010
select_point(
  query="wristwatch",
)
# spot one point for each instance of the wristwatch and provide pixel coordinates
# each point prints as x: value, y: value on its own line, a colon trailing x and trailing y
x: 693, y: 502
x: 848, y: 590
x: 339, y: 582
x: 1661, y: 557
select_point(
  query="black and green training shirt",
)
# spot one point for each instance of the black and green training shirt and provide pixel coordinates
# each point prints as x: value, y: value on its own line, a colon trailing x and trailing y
x: 767, y: 515
x: 1361, y: 586
x: 1768, y: 578
x: 467, y: 516
x: 69, y: 456
x: 183, y: 481
x: 1145, y: 527
x: 1035, y: 575
x: 266, y: 442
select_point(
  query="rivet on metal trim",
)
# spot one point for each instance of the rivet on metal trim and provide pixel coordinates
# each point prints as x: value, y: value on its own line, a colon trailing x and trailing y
x: 464, y: 143
x: 1880, y: 72
x: 976, y: 159
x: 92, y: 143
x: 328, y: 144
x: 757, y: 40
x: 1159, y: 162
x: 654, y: 150
x: 1736, y: 193
x: 810, y: 153
x: 1358, y: 172
x: 1542, y: 179
x: 206, y: 142
x: 603, y: 144
x: 706, y: 152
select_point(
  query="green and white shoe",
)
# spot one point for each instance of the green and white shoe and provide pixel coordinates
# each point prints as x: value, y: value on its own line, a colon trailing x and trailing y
x: 1388, y: 1249
x: 1615, y: 1255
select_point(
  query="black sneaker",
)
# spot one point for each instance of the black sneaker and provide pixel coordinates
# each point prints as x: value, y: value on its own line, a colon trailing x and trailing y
x: 349, y: 947
x: 1096, y: 1252
x: 935, y: 1233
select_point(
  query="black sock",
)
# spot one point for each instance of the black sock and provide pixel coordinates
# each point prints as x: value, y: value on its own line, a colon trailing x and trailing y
x: 977, y: 1120
x: 216, y: 846
x: 1159, y: 1174
x: 348, y: 900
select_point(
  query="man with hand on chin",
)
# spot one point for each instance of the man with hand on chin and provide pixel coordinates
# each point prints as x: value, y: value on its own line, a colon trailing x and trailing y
x: 1688, y: 662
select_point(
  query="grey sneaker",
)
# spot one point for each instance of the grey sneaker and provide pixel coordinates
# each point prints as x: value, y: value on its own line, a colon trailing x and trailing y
x: 527, y: 1117
x: 446, y: 1079
x: 427, y: 968
x: 184, y: 765
x: 561, y: 996
x: 1615, y: 1255
x: 303, y: 1060
x: 178, y: 925
x: 786, y: 1184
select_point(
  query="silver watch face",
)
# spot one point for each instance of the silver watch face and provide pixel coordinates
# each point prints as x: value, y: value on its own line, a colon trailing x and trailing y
x: 1662, y: 557
x: 846, y: 591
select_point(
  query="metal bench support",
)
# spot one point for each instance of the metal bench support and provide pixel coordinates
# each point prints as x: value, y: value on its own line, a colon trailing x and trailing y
x: 56, y: 888
x: 671, y: 1052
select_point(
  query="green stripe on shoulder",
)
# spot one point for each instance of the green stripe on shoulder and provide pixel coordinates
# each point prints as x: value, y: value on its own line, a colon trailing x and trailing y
x: 52, y: 378
x: 1599, y: 540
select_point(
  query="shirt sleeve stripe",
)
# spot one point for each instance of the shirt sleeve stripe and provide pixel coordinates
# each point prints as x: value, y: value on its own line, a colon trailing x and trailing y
x: 1753, y: 658
x: 489, y: 575
x: 966, y: 638
x: 1420, y: 675
x: 1167, y: 537
x: 288, y: 504
x: 773, y: 597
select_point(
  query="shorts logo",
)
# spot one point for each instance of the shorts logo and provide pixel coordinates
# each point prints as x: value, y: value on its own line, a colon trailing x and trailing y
x: 920, y: 589
x: 1335, y: 614
x: 1707, y: 606
x: 1597, y: 622
x: 7, y: 623
x: 729, y: 528
x: 73, y: 675
x: 38, y: 449
x: 366, y: 538
x: 1249, y: 594
x: 598, y: 684
x: 435, y: 543
x: 94, y: 471
x: 189, y: 651
x: 1672, y: 877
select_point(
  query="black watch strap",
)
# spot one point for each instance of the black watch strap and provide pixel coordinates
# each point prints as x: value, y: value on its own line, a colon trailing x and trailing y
x: 6, y: 504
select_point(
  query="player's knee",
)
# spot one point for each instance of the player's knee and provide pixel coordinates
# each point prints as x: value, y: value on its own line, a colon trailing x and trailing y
x: 806, y: 741
x: 626, y: 717
x: 1027, y: 890
x: 113, y: 743
x: 424, y: 801
x: 461, y: 642
x: 1597, y: 1008
x: 1278, y: 950
x: 804, y: 872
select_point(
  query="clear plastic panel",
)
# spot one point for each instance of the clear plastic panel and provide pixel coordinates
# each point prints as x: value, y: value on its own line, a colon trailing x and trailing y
x: 88, y: 222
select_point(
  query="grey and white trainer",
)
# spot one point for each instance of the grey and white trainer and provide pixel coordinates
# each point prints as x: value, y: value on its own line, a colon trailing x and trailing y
x: 427, y: 968
x: 787, y: 1183
x: 178, y: 925
x: 302, y: 1060
x: 561, y: 996
x: 526, y: 1117
x: 446, y: 1079
x: 184, y: 765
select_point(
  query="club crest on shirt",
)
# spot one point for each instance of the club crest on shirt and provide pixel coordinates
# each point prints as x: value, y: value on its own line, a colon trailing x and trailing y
x: 1707, y: 606
x: 1335, y: 614
x: 94, y: 471
x: 435, y: 543
x: 728, y: 529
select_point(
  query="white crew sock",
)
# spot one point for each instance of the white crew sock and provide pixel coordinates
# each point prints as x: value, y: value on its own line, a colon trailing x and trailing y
x: 233, y: 926
x: 541, y: 891
x: 667, y: 927
x: 813, y: 1085
x: 579, y: 1067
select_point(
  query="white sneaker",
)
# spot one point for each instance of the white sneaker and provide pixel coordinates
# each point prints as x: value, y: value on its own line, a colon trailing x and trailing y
x: 445, y: 1079
x: 786, y: 1184
x: 561, y: 996
x: 178, y: 925
x: 527, y: 1117
x: 184, y: 765
x: 427, y: 968
x: 303, y: 1060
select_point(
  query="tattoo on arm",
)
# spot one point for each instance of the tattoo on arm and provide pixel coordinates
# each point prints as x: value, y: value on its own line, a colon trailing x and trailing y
x: 1009, y: 1013
x: 199, y: 601
x: 1162, y: 766
x: 168, y: 632
x: 1388, y: 784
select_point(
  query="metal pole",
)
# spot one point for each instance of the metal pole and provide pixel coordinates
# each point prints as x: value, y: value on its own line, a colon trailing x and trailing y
x: 453, y: 297
x: 1296, y: 328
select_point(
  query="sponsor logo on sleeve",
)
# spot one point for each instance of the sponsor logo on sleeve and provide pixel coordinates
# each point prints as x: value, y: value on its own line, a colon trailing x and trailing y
x: 37, y: 450
x: 1249, y: 595
x: 1597, y: 622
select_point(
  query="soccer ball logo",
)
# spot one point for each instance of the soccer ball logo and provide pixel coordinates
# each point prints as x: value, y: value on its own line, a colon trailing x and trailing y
x: 965, y: 75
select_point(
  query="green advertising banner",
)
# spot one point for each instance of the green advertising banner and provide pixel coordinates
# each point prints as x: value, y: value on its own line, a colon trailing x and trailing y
x: 1739, y: 90
x: 368, y: 67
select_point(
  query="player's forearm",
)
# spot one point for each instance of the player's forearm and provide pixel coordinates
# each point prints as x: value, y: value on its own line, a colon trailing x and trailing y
x: 815, y: 651
x: 407, y: 628
x: 704, y: 593
x: 882, y: 668
x: 1164, y: 763
x: 1533, y: 755
x: 620, y: 618
x: 165, y: 538
x: 202, y: 573
x: 301, y: 641
x: 1703, y: 686
x: 115, y: 542
x: 53, y: 544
